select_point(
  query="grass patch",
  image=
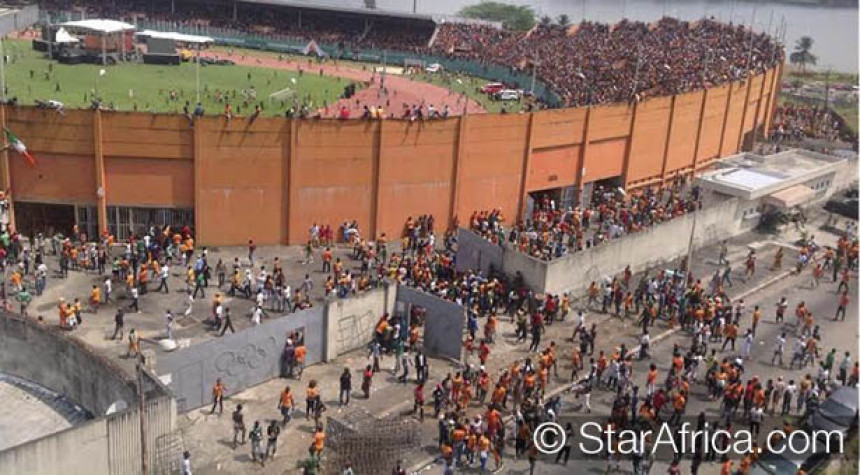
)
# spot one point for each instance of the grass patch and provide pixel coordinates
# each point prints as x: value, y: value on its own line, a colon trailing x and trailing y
x: 130, y: 86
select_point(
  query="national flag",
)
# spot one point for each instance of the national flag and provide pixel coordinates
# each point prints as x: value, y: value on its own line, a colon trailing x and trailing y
x: 16, y: 143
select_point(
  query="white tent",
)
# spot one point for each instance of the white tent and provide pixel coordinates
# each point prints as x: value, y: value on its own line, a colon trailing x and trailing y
x: 63, y: 36
x: 314, y: 48
x: 177, y: 37
x: 98, y: 25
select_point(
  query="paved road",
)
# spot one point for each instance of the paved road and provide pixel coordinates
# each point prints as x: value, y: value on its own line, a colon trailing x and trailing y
x: 822, y: 301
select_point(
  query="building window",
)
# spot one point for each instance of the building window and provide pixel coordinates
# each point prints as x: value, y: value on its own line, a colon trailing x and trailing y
x: 123, y: 221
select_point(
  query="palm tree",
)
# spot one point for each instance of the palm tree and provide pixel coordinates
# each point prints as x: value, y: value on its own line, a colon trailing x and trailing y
x: 802, y: 54
x: 563, y: 20
x: 545, y: 20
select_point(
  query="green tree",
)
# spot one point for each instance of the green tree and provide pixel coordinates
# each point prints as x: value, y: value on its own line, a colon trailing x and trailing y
x: 802, y: 54
x: 512, y: 16
x: 563, y: 20
x: 545, y: 20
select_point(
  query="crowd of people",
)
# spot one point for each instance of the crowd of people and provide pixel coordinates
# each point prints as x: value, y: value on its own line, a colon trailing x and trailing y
x: 601, y: 64
x: 346, y: 30
x: 796, y: 123
x: 551, y: 232
x: 593, y: 63
x: 471, y: 404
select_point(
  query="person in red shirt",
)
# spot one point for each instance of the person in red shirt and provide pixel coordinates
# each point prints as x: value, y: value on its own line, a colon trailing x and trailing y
x: 418, y: 407
x: 843, y: 306
x: 484, y: 352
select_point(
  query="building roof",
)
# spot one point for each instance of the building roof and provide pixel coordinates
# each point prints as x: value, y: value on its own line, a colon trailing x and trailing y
x: 99, y: 25
x: 354, y: 7
x: 751, y: 176
x: 178, y: 37
x: 791, y: 196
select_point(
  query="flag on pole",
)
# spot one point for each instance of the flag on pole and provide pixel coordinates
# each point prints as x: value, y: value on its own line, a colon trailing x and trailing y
x: 16, y: 143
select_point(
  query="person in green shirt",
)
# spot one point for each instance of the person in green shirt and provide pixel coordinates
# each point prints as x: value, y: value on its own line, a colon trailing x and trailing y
x: 24, y: 299
x: 829, y: 359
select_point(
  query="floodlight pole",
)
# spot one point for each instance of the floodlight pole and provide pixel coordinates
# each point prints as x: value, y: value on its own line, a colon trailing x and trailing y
x: 197, y: 72
x: 2, y: 72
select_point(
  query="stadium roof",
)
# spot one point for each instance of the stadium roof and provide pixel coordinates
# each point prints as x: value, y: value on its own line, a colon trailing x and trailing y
x: 99, y: 25
x: 169, y: 35
x: 331, y: 6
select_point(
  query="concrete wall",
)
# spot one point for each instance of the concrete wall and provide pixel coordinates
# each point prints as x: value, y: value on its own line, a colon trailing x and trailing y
x: 62, y: 364
x: 241, y: 359
x: 350, y: 323
x: 443, y: 327
x: 108, y: 444
x: 533, y: 271
x: 292, y: 173
x: 651, y: 247
x: 474, y: 252
x: 642, y: 250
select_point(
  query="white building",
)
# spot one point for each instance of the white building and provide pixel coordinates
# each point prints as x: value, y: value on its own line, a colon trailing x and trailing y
x: 785, y: 180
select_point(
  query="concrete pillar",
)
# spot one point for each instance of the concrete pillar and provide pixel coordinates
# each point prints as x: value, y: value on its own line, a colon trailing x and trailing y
x: 668, y: 140
x: 101, y: 185
x: 294, y: 231
x: 744, y: 115
x: 583, y: 154
x: 629, y: 148
x: 455, y: 169
x: 725, y: 118
x: 758, y: 108
x: 375, y: 213
x: 286, y: 140
x: 198, y: 172
x: 330, y: 331
x: 527, y: 155
x: 775, y: 85
x: 6, y: 172
x: 699, y: 133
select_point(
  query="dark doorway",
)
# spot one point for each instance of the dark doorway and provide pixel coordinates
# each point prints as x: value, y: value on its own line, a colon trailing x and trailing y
x: 46, y: 218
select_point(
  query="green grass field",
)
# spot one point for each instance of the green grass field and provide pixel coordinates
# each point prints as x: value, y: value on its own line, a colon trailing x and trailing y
x: 147, y: 87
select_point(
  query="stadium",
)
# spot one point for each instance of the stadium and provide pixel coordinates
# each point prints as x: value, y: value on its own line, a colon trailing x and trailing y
x: 591, y: 110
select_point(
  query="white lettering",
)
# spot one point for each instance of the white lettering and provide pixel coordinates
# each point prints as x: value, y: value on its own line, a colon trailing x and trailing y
x: 591, y: 436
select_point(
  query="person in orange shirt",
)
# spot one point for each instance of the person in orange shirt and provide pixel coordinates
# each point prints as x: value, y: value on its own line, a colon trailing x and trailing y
x: 651, y: 384
x: 312, y: 396
x: 456, y: 386
x: 300, y: 353
x: 576, y: 362
x: 63, y: 313
x: 756, y: 317
x: 726, y: 467
x: 678, y: 404
x: 285, y: 405
x: 95, y: 298
x: 731, y: 333
x: 529, y: 383
x: 318, y: 444
x: 218, y: 391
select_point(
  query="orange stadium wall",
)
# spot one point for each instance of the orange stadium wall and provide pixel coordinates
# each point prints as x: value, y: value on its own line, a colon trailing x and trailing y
x: 271, y: 179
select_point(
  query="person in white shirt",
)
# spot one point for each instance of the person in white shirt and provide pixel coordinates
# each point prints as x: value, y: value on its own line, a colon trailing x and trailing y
x: 186, y: 463
x: 778, y: 349
x: 748, y: 342
x: 257, y: 315
x: 169, y: 324
x: 165, y: 273
x: 108, y: 286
